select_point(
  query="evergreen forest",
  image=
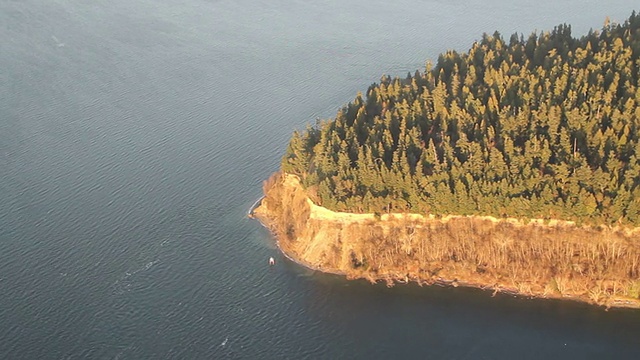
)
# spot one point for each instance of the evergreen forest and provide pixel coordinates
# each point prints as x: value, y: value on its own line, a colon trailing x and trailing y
x: 544, y: 126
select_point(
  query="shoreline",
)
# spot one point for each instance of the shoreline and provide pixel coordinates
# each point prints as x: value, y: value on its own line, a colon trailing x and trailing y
x: 390, y: 281
x: 308, y: 258
x: 253, y: 207
x: 264, y: 222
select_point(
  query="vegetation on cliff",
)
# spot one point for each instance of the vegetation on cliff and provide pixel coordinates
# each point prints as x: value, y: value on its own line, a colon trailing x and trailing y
x: 559, y: 259
x: 539, y: 127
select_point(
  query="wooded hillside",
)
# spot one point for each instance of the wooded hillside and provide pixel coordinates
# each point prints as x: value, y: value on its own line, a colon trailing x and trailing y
x: 544, y: 126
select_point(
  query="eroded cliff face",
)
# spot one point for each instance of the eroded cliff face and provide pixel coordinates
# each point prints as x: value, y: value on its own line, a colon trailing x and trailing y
x: 555, y: 259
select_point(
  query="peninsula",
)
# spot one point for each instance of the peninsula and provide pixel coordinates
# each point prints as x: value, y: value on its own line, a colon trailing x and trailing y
x: 514, y: 166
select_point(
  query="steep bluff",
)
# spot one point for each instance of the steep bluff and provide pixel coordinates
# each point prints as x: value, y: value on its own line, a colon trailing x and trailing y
x: 553, y: 259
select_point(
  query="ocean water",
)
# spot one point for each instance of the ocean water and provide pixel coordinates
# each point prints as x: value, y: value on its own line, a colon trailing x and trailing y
x: 134, y: 137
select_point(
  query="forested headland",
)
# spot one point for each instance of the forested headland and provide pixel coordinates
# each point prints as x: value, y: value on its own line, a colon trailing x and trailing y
x: 544, y: 126
x: 514, y: 166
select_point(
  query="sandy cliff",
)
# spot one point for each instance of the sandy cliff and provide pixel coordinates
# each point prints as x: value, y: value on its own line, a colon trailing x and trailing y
x: 555, y: 259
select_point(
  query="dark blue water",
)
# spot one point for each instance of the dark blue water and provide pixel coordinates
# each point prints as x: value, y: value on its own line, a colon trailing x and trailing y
x: 134, y: 136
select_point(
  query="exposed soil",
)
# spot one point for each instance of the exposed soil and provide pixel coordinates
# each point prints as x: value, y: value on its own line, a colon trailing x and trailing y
x: 544, y: 259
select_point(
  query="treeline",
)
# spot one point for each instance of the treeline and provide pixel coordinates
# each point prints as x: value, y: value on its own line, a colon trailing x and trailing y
x: 538, y: 127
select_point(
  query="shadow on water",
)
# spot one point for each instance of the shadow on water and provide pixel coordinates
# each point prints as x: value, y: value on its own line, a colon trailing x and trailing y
x: 451, y: 322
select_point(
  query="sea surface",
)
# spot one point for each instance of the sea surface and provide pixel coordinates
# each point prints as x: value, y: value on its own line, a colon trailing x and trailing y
x: 134, y: 137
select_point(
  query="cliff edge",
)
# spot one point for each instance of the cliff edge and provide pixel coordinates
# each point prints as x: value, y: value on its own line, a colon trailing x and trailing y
x: 532, y: 258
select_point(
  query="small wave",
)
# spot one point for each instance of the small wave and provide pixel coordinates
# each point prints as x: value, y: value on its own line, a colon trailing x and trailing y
x: 123, y: 284
x: 254, y: 206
